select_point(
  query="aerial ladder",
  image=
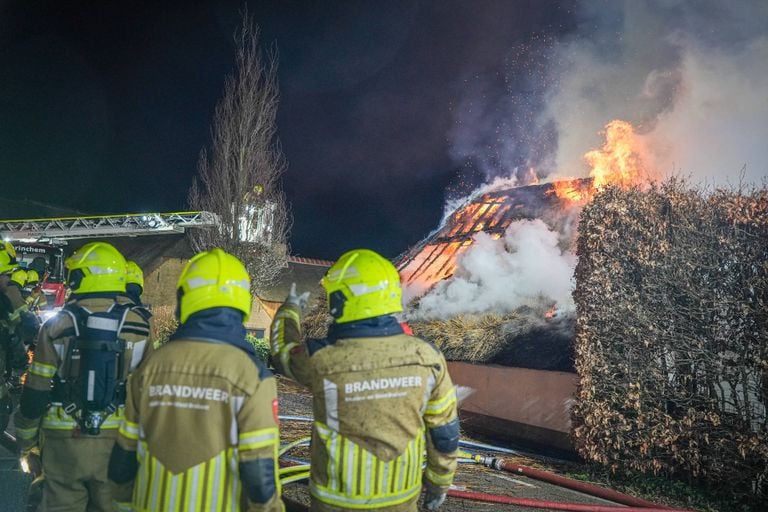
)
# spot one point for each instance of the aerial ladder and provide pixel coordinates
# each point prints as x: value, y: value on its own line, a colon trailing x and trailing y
x: 39, y: 242
x: 99, y: 226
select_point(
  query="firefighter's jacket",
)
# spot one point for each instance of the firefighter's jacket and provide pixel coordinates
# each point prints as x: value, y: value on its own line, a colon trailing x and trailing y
x: 12, y: 352
x: 52, y: 376
x: 34, y: 297
x: 380, y: 398
x: 143, y: 310
x: 201, y: 418
x: 23, y: 321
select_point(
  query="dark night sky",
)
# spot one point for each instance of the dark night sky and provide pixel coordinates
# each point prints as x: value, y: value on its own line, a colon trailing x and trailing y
x: 104, y: 106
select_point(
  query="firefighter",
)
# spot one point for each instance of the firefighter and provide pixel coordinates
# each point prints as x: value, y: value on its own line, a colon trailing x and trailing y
x: 19, y: 280
x: 22, y: 322
x: 33, y: 292
x: 72, y: 401
x: 380, y: 396
x: 201, y: 427
x: 134, y: 285
x: 13, y: 355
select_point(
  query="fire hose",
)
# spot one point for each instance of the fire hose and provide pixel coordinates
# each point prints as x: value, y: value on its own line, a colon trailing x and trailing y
x: 553, y: 505
x: 632, y: 504
x: 295, y: 470
x: 561, y: 481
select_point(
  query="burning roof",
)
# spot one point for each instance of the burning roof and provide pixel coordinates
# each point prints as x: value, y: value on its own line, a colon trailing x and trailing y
x: 620, y: 161
x: 434, y: 259
x: 494, y: 281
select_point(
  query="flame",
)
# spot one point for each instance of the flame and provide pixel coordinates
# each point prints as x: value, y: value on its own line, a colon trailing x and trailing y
x: 619, y: 161
x: 571, y: 193
x: 30, y: 360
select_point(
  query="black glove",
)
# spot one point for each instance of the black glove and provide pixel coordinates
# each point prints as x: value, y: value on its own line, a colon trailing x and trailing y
x: 434, y: 496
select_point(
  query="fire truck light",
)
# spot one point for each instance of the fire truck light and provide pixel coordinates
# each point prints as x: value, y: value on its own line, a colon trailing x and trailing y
x: 48, y: 313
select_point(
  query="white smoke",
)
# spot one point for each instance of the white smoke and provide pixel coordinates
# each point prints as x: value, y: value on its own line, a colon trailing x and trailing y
x: 691, y: 76
x: 524, y: 268
x: 693, y: 83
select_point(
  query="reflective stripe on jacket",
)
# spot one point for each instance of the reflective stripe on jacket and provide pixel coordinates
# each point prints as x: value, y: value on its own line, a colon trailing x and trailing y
x: 380, y: 398
x: 201, y: 420
x: 356, y: 478
x: 53, y: 358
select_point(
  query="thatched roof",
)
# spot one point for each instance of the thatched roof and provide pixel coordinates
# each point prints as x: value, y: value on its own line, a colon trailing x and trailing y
x: 434, y: 258
x: 525, y: 338
x: 520, y: 339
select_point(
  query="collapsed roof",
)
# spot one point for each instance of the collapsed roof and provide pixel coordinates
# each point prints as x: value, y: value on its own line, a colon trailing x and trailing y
x: 525, y: 338
x: 435, y: 257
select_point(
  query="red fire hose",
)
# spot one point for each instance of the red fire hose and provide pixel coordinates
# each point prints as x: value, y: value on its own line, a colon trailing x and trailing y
x: 553, y: 505
x: 586, y: 488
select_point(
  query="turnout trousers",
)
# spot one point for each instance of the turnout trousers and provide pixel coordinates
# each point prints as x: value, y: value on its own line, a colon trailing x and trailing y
x: 75, y: 470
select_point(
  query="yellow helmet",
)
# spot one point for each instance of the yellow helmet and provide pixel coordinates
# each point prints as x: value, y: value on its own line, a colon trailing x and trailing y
x: 10, y: 249
x: 96, y: 267
x: 213, y: 279
x: 19, y: 277
x: 7, y: 260
x: 362, y: 284
x: 133, y: 274
x: 32, y: 276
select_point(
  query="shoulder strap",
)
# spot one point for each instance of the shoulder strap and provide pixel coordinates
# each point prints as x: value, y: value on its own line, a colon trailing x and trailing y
x: 78, y: 315
x: 126, y: 308
x: 142, y: 311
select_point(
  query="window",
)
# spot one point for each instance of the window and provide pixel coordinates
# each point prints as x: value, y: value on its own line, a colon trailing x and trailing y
x: 257, y: 333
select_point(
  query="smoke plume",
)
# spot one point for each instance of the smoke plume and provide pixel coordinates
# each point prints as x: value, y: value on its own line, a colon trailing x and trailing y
x: 524, y: 268
x: 691, y: 76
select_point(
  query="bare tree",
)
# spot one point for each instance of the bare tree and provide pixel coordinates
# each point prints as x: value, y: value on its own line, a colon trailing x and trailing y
x: 239, y: 178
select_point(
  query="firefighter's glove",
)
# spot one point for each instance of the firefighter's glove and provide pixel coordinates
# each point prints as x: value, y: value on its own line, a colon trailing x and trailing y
x: 296, y: 299
x: 30, y: 462
x: 433, y: 497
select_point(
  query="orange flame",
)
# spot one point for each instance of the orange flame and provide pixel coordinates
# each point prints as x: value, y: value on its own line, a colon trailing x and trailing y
x: 619, y: 161
x: 567, y: 190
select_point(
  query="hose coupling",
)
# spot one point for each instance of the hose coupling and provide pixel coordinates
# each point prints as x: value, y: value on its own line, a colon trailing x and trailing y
x: 491, y: 462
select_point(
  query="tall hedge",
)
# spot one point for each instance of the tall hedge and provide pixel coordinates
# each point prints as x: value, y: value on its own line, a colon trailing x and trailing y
x: 672, y: 334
